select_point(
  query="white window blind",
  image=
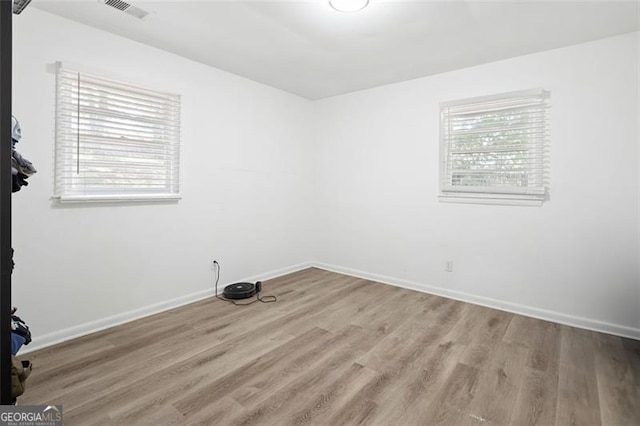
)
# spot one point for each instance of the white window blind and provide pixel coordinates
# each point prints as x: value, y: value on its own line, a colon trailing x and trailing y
x: 494, y: 149
x: 115, y: 141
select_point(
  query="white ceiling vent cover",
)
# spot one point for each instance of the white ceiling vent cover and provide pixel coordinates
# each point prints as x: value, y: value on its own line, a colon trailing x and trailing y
x: 126, y: 8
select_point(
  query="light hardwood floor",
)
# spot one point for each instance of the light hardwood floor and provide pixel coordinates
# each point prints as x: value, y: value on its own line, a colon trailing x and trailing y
x: 340, y: 350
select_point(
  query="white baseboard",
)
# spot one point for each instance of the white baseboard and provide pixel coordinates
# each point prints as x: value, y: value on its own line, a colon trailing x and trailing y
x: 543, y: 314
x: 41, y: 342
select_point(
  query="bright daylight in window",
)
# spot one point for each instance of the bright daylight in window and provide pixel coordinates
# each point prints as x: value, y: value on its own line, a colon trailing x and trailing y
x: 494, y: 149
x: 115, y: 141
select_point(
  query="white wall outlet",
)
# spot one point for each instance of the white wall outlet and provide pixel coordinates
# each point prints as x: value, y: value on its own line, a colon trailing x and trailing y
x: 448, y: 266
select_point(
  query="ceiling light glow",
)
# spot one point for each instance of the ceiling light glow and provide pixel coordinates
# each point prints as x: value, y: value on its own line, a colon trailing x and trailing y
x: 348, y: 5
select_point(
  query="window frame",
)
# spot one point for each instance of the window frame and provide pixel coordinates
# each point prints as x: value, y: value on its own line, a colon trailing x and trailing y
x: 500, y: 195
x: 66, y: 186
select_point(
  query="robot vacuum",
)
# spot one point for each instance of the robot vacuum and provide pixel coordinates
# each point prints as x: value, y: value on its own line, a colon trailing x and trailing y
x: 242, y: 290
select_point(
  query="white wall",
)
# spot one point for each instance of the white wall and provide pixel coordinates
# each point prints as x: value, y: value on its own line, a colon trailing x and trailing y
x: 272, y: 181
x: 244, y: 186
x: 575, y: 259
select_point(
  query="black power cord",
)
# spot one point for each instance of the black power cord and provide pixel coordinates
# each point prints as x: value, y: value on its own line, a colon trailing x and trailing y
x: 265, y: 299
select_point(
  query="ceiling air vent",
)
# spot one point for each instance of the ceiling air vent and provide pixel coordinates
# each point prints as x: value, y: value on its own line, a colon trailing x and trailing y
x: 19, y: 5
x: 126, y: 8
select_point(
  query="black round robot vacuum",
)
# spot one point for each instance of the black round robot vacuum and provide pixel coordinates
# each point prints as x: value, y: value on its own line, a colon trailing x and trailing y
x: 242, y: 290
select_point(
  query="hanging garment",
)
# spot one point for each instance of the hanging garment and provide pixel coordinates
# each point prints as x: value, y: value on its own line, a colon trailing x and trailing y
x: 21, y: 168
x: 16, y: 131
x: 20, y: 328
x: 20, y: 371
x: 23, y: 165
x: 18, y: 181
x: 20, y: 174
x: 16, y: 342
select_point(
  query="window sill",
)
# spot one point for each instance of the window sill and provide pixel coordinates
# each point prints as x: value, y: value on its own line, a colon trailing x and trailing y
x: 137, y: 198
x: 495, y: 199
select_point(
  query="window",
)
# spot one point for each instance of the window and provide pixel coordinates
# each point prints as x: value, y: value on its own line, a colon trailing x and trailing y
x: 115, y: 141
x: 494, y: 149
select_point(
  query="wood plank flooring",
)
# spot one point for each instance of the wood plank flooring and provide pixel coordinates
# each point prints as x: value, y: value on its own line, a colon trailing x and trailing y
x: 338, y: 350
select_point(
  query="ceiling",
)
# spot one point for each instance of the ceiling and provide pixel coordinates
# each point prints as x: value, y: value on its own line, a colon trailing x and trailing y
x: 308, y: 49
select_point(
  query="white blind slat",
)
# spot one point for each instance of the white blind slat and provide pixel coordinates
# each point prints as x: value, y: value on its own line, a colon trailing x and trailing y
x: 115, y: 140
x: 496, y: 144
x: 88, y: 81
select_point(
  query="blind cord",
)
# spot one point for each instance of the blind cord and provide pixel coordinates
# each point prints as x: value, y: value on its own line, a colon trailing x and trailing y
x: 78, y: 131
x: 265, y: 299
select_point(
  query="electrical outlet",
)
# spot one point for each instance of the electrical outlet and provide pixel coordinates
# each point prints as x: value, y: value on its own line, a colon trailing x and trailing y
x: 448, y: 266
